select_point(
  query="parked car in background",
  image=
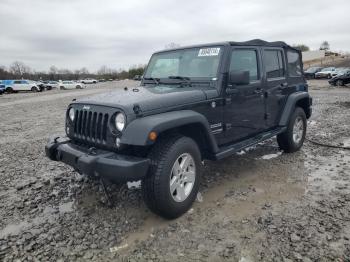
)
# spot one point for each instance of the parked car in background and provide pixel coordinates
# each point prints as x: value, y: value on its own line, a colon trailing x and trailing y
x: 325, y: 73
x: 137, y: 78
x: 341, y: 71
x: 70, y: 85
x: 310, y: 72
x: 41, y: 85
x: 340, y: 80
x: 21, y: 85
x: 51, y: 84
x: 89, y: 81
x: 2, y: 89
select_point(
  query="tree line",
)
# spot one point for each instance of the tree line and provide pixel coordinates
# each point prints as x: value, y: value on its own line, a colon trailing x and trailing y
x: 303, y: 48
x: 19, y: 70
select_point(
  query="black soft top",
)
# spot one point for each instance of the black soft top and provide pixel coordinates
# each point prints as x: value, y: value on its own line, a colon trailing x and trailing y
x: 259, y: 42
x: 254, y: 42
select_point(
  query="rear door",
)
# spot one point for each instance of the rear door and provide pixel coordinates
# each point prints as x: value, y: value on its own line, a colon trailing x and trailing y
x: 26, y: 85
x: 276, y: 85
x: 244, y: 108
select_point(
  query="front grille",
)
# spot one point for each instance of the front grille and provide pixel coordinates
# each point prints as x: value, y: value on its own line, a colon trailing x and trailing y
x: 91, y: 126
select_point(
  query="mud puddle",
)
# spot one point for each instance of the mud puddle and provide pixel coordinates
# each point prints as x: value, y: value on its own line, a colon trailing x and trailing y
x: 328, y: 174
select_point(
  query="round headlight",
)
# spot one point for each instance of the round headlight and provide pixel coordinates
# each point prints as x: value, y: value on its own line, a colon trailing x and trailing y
x: 71, y: 114
x: 120, y: 121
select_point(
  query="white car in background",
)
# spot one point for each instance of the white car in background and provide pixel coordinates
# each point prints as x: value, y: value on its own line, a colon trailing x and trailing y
x: 89, y: 81
x: 325, y: 73
x: 70, y: 85
x: 23, y: 85
x: 51, y: 84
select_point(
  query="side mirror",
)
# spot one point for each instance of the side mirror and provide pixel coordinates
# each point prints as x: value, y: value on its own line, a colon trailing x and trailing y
x: 239, y: 78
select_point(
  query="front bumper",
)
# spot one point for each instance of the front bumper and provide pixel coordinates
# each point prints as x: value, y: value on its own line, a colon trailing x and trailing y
x: 97, y: 163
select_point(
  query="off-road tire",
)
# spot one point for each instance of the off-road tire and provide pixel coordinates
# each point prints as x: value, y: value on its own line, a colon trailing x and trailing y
x: 285, y: 140
x: 156, y: 185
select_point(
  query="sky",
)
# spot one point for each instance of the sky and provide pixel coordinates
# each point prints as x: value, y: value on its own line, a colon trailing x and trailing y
x: 73, y: 34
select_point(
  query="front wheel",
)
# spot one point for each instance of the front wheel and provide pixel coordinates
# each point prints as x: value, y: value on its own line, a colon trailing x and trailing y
x: 172, y: 182
x: 340, y: 82
x: 293, y: 138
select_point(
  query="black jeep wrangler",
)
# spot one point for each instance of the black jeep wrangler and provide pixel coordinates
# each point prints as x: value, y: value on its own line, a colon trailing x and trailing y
x: 194, y: 103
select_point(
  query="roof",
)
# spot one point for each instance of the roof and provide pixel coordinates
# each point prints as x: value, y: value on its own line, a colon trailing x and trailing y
x: 254, y: 42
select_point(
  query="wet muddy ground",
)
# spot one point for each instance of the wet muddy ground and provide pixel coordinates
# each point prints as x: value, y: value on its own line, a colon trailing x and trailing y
x: 260, y: 204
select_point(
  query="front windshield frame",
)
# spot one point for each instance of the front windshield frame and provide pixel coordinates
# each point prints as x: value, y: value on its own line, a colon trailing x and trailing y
x: 213, y: 76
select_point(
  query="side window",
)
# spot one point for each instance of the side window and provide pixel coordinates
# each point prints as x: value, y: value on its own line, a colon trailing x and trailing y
x: 294, y: 67
x: 245, y: 60
x: 274, y: 66
x: 17, y: 82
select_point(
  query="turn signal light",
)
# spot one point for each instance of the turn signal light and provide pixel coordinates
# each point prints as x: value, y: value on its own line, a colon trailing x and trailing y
x: 152, y: 136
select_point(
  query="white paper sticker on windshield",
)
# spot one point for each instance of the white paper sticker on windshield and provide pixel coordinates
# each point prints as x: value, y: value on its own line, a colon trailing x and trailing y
x: 209, y: 51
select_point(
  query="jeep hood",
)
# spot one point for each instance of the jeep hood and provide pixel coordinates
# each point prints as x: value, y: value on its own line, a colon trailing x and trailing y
x: 147, y: 98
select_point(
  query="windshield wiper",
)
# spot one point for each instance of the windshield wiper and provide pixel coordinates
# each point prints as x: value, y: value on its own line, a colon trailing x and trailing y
x: 155, y: 80
x: 184, y: 78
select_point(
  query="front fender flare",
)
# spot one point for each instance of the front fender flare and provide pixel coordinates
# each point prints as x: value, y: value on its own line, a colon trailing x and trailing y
x: 136, y: 133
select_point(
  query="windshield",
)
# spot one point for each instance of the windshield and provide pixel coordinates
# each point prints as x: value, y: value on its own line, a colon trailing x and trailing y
x: 191, y: 63
x: 327, y: 69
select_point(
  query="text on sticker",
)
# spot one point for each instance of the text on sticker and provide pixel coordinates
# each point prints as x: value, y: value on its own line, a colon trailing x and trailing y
x: 209, y: 51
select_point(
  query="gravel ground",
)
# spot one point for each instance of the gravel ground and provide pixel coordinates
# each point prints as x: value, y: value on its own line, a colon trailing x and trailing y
x: 260, y: 204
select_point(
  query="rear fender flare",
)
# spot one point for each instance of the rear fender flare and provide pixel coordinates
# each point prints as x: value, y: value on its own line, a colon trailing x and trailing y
x: 290, y: 106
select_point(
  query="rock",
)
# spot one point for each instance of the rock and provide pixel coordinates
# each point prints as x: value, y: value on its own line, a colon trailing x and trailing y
x: 294, y: 237
x: 88, y: 255
x: 201, y: 247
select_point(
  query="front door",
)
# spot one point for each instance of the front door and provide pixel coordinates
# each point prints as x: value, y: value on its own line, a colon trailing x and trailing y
x: 244, y: 104
x: 17, y: 85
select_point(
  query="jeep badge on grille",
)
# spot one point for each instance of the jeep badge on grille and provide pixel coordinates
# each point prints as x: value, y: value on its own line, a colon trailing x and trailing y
x: 86, y: 107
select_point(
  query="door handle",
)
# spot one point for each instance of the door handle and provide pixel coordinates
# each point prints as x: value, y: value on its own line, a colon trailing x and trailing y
x: 283, y: 86
x: 258, y: 90
x: 231, y: 91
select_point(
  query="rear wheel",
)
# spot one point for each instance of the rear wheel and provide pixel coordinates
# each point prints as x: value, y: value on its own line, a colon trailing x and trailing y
x: 293, y: 138
x: 172, y: 182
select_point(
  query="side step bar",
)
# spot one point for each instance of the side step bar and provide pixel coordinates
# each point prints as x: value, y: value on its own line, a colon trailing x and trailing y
x: 229, y: 150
